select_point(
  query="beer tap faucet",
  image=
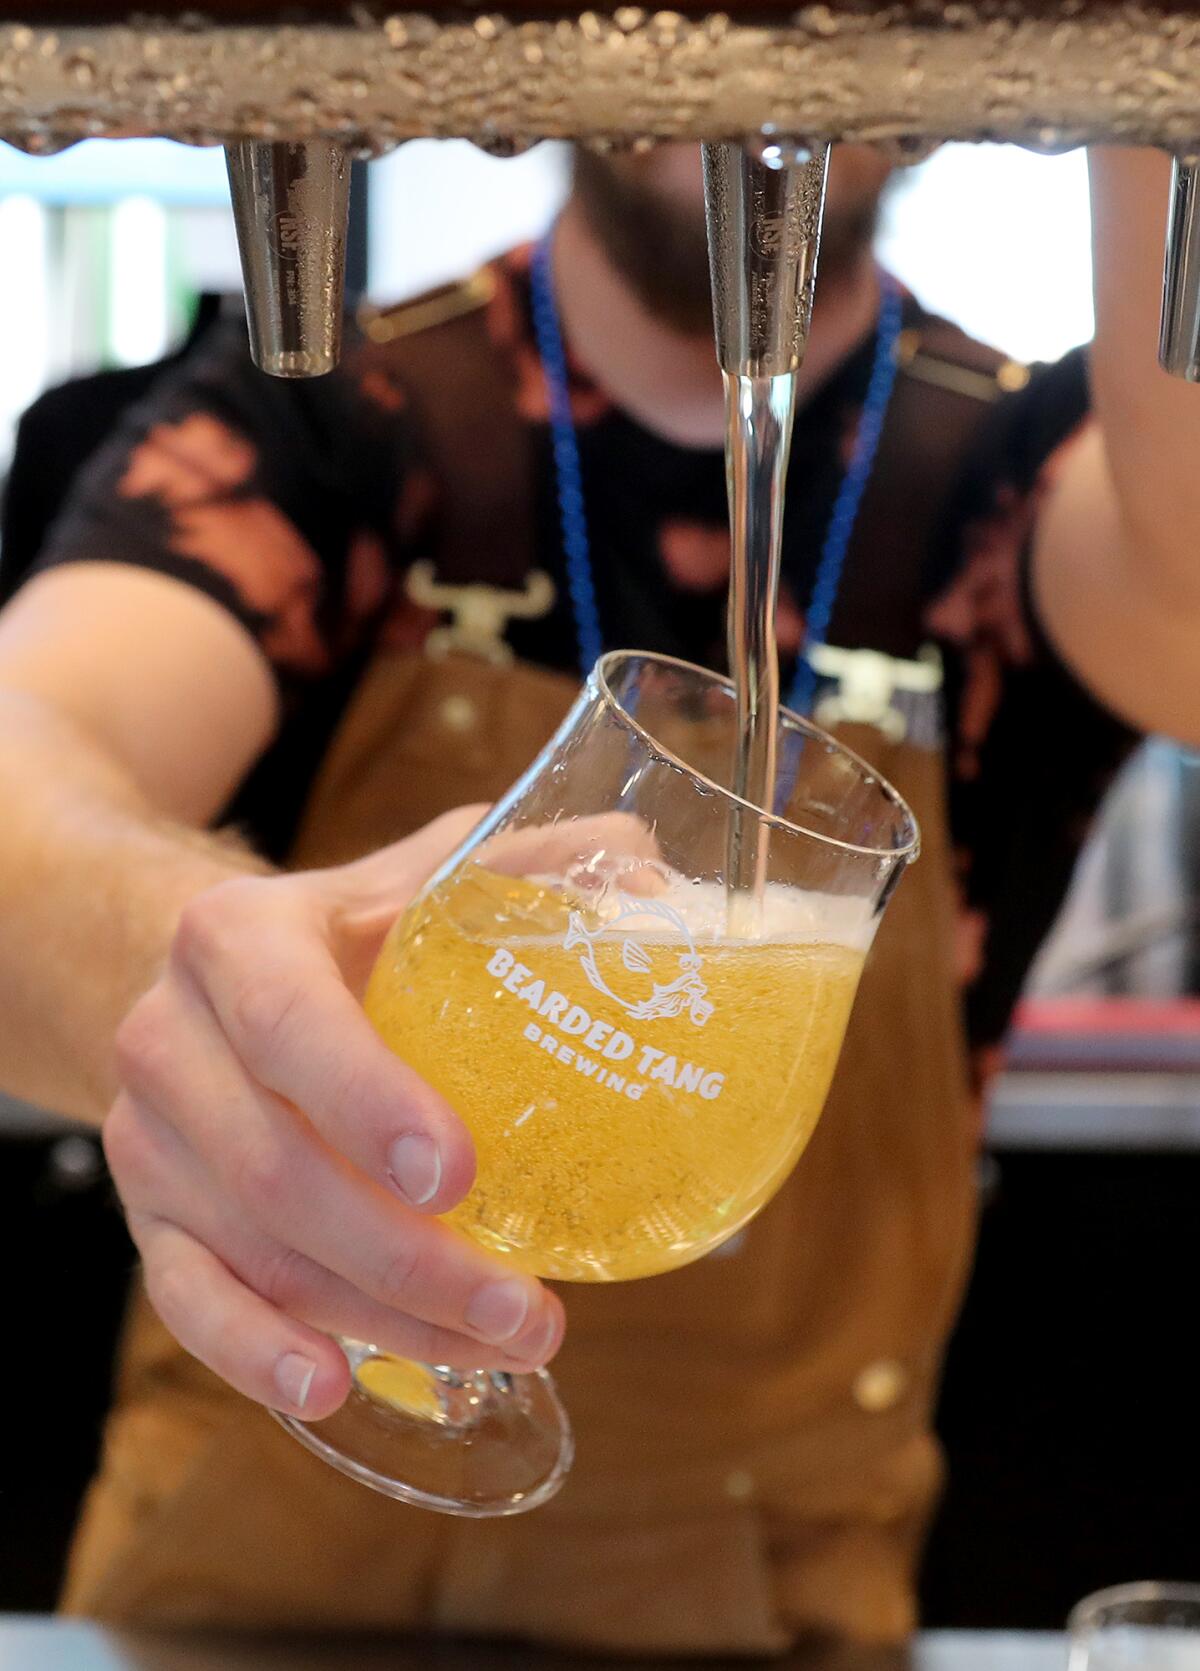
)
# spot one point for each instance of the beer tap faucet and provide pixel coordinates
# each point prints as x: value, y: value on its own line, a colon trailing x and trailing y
x: 763, y: 202
x: 291, y: 204
x: 1179, y: 333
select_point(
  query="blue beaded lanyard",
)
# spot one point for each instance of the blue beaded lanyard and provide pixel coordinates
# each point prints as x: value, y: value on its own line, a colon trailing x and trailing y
x: 572, y: 514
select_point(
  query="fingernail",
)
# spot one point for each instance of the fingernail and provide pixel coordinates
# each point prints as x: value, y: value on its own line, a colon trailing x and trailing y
x: 415, y: 1168
x: 498, y: 1312
x: 294, y: 1376
x: 537, y: 1347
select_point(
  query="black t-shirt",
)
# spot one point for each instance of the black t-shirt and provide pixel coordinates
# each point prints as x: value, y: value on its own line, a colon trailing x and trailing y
x: 301, y: 507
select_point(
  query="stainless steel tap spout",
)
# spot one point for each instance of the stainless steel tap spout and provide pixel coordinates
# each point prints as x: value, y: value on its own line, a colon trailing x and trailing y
x: 291, y: 203
x: 764, y: 204
x: 1179, y: 333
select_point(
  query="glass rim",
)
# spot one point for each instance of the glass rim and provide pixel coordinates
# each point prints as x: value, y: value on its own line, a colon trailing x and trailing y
x: 1087, y: 1613
x: 600, y: 676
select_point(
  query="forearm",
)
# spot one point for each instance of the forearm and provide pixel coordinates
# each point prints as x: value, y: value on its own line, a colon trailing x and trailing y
x: 1116, y: 580
x: 1150, y: 421
x: 92, y: 882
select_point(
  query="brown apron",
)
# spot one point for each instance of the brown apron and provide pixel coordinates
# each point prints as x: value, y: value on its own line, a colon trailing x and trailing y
x: 755, y: 1458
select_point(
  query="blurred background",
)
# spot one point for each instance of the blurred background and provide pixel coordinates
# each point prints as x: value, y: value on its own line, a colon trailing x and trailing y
x: 1068, y: 1409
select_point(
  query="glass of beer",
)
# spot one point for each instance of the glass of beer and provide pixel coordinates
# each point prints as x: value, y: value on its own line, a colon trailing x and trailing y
x: 639, y: 1055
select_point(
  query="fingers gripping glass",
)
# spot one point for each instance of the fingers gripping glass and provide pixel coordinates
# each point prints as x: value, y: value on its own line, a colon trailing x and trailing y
x: 640, y: 1061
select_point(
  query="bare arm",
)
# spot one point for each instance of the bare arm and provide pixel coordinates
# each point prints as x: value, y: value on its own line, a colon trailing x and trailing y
x: 281, y: 1171
x: 114, y: 744
x: 1117, y: 558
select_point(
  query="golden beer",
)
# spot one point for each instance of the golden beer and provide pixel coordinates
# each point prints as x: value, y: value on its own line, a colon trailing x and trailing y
x: 635, y: 1092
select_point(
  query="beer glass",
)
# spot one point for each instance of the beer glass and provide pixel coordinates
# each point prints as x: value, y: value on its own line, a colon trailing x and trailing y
x: 639, y: 1056
x: 1137, y: 1627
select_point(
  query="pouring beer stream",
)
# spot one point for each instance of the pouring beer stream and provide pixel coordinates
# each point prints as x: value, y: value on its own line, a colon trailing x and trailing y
x: 763, y: 202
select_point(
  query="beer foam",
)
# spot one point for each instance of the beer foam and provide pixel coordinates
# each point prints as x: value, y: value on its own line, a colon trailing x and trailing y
x: 787, y: 915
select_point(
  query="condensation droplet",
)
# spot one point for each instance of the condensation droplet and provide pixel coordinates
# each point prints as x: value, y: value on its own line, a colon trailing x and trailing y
x: 80, y: 67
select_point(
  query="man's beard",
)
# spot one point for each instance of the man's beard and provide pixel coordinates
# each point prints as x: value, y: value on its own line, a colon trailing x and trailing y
x: 657, y: 243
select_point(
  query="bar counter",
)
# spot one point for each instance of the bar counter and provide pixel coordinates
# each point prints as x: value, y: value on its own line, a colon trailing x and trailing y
x: 43, y: 1644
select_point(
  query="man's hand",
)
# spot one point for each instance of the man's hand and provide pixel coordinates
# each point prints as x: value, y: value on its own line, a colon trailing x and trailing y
x: 280, y: 1168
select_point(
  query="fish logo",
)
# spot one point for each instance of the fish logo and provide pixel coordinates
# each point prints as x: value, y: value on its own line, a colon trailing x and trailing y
x: 686, y: 994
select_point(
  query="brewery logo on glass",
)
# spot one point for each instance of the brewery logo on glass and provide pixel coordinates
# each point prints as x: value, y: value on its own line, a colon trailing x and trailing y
x: 643, y: 959
x: 686, y: 994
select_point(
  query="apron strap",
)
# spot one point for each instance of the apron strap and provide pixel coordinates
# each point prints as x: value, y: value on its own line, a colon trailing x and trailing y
x: 946, y: 388
x: 463, y: 390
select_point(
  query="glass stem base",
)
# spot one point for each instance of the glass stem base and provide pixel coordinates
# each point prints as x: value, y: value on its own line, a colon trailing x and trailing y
x: 478, y: 1443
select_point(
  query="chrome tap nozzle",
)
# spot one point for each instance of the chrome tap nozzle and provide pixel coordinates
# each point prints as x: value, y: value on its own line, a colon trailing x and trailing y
x: 763, y: 202
x: 1179, y: 332
x: 291, y: 203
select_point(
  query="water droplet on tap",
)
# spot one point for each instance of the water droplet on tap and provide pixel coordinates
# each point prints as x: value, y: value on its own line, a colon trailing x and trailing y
x: 352, y: 86
x: 818, y: 20
x: 504, y: 145
x: 80, y: 67
x: 776, y: 150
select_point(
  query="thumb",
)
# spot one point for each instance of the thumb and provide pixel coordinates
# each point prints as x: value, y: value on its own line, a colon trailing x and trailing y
x: 367, y: 895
